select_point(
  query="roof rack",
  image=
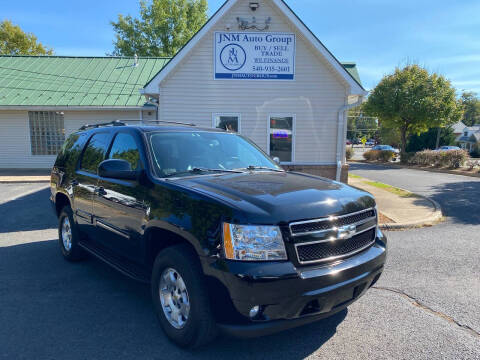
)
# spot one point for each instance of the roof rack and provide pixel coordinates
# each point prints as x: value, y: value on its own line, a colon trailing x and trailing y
x: 111, y: 123
x: 158, y: 122
x: 123, y: 123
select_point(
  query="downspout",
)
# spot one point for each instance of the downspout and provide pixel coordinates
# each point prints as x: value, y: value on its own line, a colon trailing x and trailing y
x: 340, y: 134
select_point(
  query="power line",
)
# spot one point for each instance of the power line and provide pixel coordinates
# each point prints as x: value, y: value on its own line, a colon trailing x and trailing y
x: 70, y: 77
x: 58, y: 82
x: 67, y: 92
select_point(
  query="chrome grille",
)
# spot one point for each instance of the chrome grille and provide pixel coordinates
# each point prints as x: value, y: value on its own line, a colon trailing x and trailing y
x: 329, y: 223
x: 331, y: 250
x: 334, y: 237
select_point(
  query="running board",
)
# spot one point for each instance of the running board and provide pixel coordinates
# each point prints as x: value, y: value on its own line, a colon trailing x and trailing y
x: 129, y: 269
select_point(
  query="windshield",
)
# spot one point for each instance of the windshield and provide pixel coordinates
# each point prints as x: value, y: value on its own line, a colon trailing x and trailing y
x: 183, y: 153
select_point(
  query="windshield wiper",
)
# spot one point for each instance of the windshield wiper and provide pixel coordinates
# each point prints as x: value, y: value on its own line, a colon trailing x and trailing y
x: 253, y: 168
x: 198, y: 170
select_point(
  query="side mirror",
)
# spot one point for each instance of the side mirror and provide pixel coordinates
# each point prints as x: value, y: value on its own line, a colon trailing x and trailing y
x: 277, y: 160
x: 117, y: 169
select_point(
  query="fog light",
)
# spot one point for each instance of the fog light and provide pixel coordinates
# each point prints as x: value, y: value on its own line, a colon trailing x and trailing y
x: 254, y: 311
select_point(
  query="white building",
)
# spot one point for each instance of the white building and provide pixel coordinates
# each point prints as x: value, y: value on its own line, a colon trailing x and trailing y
x: 254, y: 68
x: 470, y: 137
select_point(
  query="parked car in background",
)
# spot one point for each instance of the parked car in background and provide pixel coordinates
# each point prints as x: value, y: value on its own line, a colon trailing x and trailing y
x: 356, y: 141
x: 370, y: 142
x: 448, y: 148
x: 227, y: 240
x: 386, y: 148
x: 348, y: 142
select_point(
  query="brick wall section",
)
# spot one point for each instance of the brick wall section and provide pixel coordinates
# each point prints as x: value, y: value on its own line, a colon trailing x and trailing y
x: 328, y: 171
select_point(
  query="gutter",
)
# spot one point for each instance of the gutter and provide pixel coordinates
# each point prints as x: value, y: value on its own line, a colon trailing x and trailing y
x: 341, y: 134
x: 66, y: 107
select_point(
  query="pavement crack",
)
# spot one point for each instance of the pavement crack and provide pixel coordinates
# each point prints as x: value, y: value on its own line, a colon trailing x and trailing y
x: 415, y: 302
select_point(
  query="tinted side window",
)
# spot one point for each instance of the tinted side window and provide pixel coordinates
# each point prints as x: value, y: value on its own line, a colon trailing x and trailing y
x: 124, y: 147
x: 95, y: 151
x: 71, y: 149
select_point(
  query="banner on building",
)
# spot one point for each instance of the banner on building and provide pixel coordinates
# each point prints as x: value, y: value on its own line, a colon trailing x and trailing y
x: 254, y: 56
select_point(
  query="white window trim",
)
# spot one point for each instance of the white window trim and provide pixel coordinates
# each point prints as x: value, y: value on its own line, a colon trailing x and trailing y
x: 294, y: 135
x: 228, y: 114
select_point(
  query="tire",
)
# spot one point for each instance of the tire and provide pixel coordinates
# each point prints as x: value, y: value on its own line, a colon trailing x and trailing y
x: 199, y: 327
x: 71, y: 251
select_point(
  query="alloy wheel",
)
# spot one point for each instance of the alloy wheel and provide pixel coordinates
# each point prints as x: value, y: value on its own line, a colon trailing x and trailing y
x: 174, y: 298
x: 66, y: 234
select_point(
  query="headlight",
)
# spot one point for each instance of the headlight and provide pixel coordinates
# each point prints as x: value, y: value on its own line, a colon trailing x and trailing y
x: 253, y: 243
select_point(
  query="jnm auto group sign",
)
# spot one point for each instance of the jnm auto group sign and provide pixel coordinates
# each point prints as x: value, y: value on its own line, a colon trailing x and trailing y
x: 257, y: 56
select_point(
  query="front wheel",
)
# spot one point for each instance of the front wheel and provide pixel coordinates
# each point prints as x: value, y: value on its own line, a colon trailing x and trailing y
x: 180, y: 297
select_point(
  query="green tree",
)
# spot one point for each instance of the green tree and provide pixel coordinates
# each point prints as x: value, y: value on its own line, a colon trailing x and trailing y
x: 471, y: 107
x: 414, y: 101
x: 388, y: 135
x: 14, y: 41
x: 428, y: 140
x: 163, y: 28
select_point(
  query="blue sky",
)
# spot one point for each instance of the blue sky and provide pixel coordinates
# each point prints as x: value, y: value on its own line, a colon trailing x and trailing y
x: 442, y: 35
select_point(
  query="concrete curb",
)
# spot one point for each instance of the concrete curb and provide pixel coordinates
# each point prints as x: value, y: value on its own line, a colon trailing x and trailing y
x: 443, y: 171
x: 435, y: 218
x: 24, y: 181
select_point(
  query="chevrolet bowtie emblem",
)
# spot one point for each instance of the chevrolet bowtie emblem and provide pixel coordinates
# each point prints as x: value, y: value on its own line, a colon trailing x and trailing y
x: 346, y: 232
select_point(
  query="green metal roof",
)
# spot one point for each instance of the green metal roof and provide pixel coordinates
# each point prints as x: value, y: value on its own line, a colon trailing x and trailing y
x: 351, y: 67
x: 75, y: 81
x: 81, y: 81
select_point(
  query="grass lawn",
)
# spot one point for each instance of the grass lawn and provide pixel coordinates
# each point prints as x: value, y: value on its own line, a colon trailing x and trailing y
x: 389, y: 188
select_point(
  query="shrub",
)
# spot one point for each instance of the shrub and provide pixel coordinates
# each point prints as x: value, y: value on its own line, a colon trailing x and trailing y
x: 378, y: 155
x: 471, y: 164
x: 349, y: 153
x: 452, y: 158
x: 385, y: 155
x: 371, y: 155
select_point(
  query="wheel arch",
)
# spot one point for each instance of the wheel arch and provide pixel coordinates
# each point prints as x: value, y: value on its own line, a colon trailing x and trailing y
x: 61, y: 200
x: 157, y: 239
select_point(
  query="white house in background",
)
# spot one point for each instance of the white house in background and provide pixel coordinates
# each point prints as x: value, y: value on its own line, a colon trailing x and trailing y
x: 254, y: 68
x: 458, y: 129
x: 470, y: 137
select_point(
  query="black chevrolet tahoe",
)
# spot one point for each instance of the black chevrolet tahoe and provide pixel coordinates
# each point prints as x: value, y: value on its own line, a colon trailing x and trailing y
x: 228, y: 241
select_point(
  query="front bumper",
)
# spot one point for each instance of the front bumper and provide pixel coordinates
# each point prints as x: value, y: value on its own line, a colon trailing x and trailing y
x: 291, y: 296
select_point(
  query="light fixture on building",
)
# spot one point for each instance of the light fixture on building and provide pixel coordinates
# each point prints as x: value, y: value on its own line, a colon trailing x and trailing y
x: 245, y: 24
x: 254, y: 5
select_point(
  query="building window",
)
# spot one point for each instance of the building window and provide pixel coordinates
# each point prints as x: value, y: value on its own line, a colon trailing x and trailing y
x: 229, y: 122
x: 281, y: 137
x: 47, y: 132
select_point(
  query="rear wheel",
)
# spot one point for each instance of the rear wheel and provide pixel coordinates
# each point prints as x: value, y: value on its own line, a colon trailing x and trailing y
x: 180, y: 297
x: 68, y: 236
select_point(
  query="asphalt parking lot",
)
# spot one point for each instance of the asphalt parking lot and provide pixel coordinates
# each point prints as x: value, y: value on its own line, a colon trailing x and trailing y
x: 425, y: 306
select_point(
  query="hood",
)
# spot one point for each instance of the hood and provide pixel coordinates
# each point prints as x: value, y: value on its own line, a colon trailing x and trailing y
x: 265, y: 197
